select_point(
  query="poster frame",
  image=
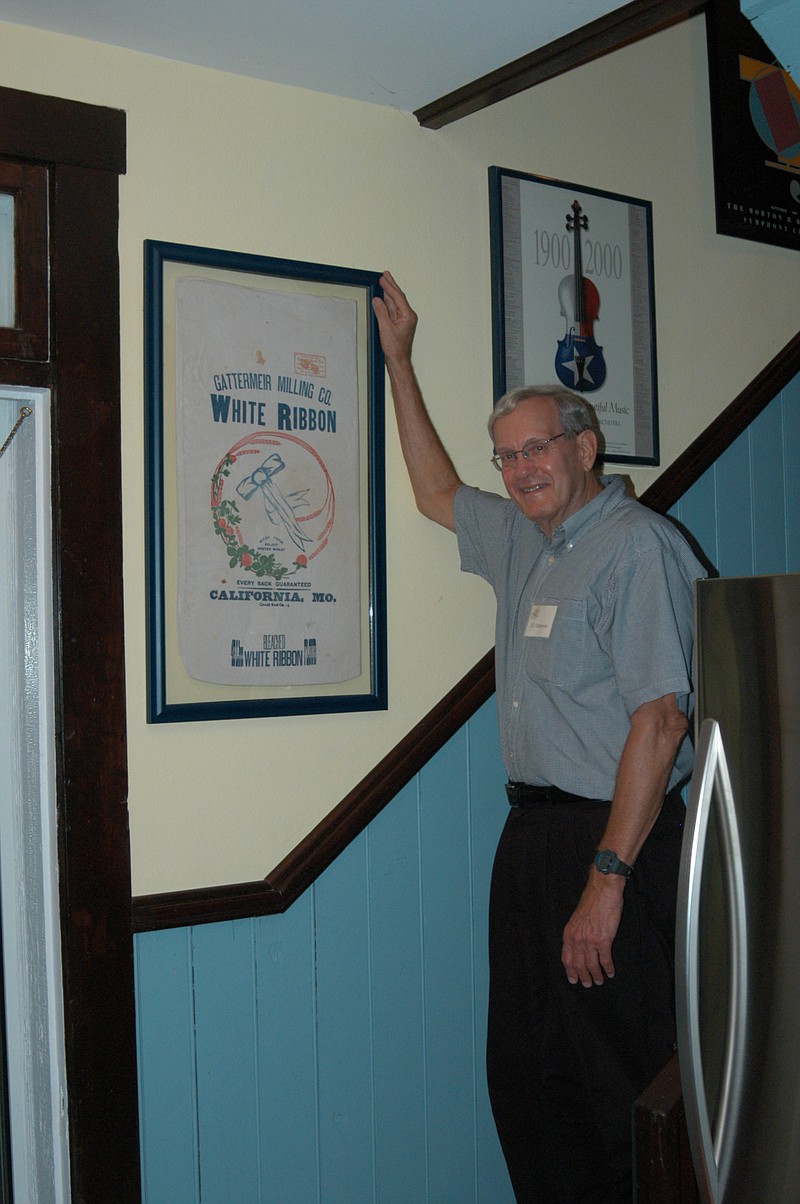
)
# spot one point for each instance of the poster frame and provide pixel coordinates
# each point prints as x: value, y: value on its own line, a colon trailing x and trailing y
x: 511, y: 264
x: 756, y: 181
x: 167, y: 700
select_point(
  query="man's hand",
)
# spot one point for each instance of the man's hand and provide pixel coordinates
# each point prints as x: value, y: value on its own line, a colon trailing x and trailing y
x: 397, y: 321
x: 590, y: 932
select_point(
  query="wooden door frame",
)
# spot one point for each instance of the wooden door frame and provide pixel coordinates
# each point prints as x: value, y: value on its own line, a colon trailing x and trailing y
x: 83, y: 148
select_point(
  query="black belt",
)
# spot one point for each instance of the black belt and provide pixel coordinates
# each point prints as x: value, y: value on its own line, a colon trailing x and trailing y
x: 520, y: 794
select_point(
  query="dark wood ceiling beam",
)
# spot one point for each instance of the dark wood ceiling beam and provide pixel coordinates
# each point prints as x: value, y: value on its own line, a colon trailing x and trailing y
x: 627, y: 24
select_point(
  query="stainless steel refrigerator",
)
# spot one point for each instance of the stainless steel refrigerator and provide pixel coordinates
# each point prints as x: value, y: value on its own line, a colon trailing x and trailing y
x: 738, y: 940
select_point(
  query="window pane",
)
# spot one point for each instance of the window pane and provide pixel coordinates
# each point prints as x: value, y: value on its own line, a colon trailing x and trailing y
x: 7, y: 315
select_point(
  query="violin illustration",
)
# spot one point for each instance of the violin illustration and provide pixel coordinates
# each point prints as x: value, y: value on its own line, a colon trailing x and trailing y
x: 579, y: 361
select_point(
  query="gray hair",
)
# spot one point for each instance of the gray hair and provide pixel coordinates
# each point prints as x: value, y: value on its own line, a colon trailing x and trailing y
x: 576, y: 414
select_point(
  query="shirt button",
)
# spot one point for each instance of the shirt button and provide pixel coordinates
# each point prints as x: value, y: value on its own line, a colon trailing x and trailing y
x: 515, y: 703
x: 551, y: 559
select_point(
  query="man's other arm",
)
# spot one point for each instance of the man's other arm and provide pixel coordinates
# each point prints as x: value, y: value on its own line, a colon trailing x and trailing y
x: 434, y: 480
x: 657, y: 729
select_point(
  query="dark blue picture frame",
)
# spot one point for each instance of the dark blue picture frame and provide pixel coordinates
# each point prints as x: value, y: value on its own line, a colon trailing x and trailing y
x: 163, y: 706
x: 517, y: 337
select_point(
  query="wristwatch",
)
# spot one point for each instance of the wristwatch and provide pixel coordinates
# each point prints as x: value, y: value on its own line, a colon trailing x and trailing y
x: 607, y: 862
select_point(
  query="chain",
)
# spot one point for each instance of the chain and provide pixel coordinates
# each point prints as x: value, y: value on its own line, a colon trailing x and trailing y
x: 25, y: 412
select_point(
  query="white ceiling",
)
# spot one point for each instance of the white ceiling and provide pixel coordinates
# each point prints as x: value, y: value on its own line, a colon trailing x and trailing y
x: 401, y: 53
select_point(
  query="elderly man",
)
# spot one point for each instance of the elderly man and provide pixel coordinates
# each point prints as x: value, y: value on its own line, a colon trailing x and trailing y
x: 593, y: 656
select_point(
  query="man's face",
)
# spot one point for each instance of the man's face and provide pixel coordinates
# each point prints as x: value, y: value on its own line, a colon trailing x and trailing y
x: 551, y: 487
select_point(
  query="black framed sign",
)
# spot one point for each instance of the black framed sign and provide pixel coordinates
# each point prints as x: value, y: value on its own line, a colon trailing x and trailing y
x: 755, y: 124
x: 573, y: 302
x: 264, y: 487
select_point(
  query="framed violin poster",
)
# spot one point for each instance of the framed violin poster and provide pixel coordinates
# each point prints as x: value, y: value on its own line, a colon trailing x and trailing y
x: 265, y: 508
x: 573, y: 302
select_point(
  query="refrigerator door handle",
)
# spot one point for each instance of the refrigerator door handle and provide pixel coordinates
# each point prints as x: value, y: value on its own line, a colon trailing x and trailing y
x: 710, y: 781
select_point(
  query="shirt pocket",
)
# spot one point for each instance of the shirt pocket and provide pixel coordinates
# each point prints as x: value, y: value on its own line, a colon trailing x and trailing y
x: 558, y: 659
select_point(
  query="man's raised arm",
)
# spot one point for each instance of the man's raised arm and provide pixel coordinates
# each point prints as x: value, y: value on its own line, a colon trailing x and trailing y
x: 433, y: 477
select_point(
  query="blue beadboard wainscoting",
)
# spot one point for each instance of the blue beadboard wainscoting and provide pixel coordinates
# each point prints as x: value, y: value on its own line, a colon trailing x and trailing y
x: 334, y: 1054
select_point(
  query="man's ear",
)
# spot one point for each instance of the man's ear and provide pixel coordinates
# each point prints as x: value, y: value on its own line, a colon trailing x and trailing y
x: 587, y: 448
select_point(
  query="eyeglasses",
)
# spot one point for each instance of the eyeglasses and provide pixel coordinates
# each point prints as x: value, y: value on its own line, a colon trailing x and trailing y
x: 534, y: 449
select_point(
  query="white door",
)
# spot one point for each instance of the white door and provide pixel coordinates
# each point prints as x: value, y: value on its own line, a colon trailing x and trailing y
x: 28, y: 853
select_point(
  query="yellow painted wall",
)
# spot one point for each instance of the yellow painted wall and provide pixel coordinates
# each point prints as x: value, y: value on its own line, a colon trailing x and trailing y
x: 239, y: 164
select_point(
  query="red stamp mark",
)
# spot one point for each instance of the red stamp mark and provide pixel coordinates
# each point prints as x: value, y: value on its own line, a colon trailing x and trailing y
x: 310, y: 365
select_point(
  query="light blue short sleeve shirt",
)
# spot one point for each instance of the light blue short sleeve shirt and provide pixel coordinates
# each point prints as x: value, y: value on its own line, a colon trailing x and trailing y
x: 613, y: 630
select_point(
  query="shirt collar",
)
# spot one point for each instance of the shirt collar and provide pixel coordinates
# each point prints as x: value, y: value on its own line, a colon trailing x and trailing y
x: 610, y: 496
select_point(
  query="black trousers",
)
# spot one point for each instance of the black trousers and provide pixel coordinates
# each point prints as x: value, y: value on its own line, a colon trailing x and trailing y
x: 565, y: 1062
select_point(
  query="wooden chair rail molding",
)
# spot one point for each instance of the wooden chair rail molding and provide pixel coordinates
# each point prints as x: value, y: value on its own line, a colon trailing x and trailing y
x: 324, y: 844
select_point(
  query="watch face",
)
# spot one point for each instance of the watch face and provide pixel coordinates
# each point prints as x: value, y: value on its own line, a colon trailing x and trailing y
x: 604, y: 861
x: 607, y: 862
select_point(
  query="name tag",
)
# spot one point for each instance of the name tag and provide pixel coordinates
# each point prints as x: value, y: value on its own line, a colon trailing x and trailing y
x: 540, y: 621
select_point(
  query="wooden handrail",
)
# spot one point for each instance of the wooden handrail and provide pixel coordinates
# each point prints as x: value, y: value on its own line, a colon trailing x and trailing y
x: 709, y: 446
x: 332, y: 835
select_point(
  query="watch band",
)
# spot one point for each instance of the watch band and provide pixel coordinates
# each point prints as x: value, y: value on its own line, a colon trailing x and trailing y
x: 607, y: 862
